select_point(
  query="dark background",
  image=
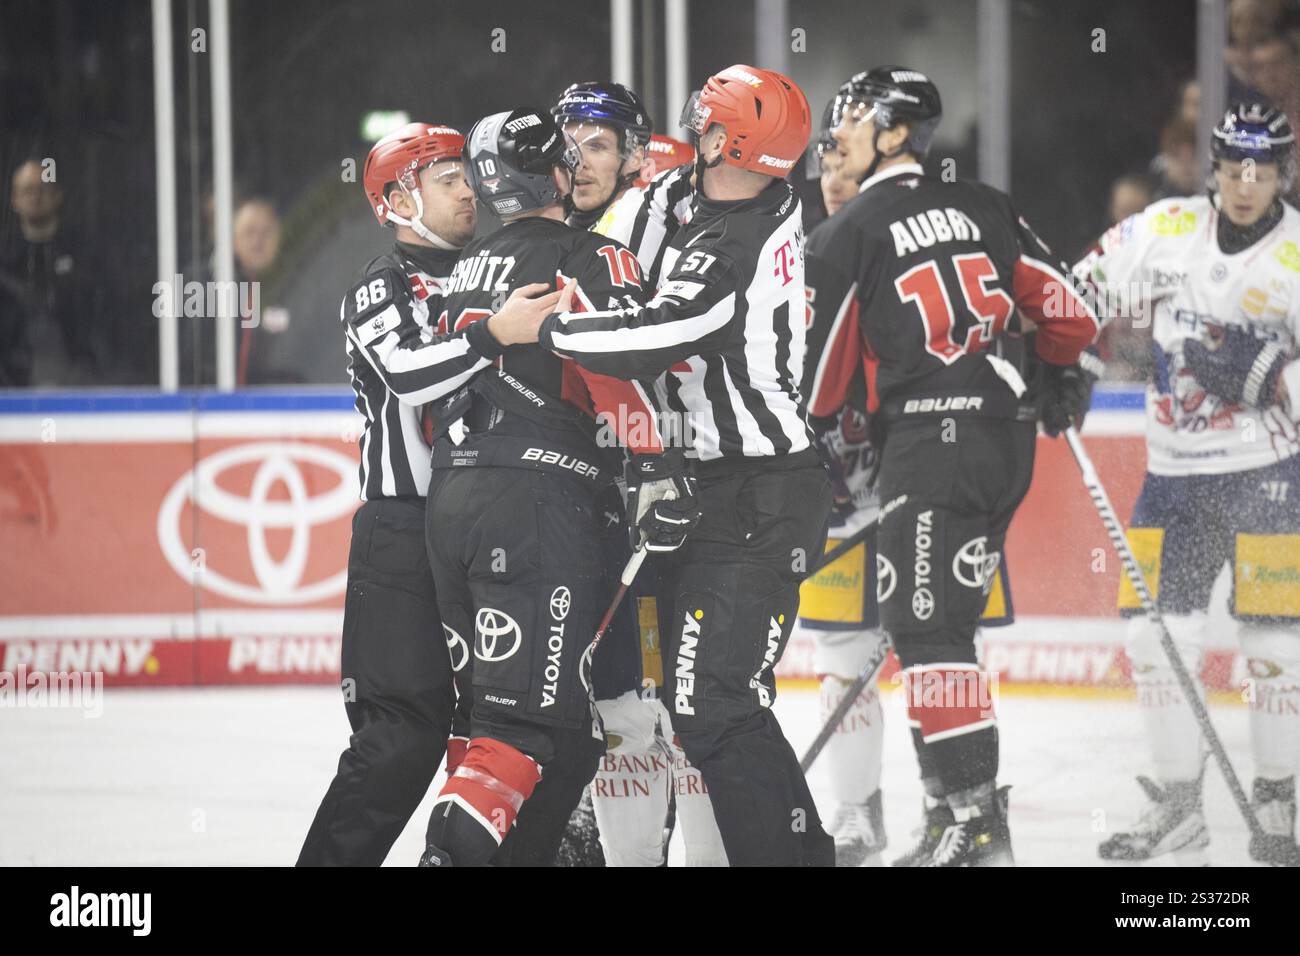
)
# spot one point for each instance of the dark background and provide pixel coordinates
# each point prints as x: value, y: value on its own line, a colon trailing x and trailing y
x: 76, y: 84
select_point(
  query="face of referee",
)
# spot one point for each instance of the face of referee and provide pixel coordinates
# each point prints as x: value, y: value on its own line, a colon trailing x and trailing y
x: 449, y: 210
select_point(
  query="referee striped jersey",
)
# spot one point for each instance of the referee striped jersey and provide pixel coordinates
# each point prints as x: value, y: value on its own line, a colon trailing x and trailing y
x: 398, y: 364
x: 725, y: 328
x: 646, y: 219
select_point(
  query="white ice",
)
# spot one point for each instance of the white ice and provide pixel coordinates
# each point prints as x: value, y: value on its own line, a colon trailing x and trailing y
x: 219, y: 776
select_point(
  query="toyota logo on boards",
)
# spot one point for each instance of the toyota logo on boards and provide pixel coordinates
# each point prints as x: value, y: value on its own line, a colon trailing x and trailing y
x: 262, y: 489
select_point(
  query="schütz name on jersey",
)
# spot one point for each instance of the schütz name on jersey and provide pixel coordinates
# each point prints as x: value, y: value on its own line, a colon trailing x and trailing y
x: 483, y: 271
x: 920, y: 231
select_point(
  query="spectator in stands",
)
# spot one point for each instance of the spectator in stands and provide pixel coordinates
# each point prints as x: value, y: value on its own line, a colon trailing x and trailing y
x: 1264, y: 59
x: 1177, y: 167
x: 1125, y: 348
x: 263, y: 352
x: 1272, y: 71
x: 15, y: 344
x: 263, y: 347
x: 1129, y: 194
x: 53, y: 310
x: 1189, y: 103
x: 1250, y: 23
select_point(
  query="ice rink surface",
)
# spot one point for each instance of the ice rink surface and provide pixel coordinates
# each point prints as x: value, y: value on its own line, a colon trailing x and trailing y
x: 222, y: 776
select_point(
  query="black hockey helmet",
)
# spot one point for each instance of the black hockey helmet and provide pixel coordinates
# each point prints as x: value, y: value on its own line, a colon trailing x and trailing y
x: 612, y: 104
x: 887, y: 96
x: 509, y: 158
x: 825, y: 141
x: 1259, y: 133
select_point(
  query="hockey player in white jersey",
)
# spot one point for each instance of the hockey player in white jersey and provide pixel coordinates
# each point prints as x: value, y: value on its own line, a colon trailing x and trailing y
x: 1220, y: 279
x: 635, y: 187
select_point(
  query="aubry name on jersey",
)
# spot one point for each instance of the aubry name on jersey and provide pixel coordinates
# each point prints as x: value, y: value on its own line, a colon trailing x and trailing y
x: 922, y: 230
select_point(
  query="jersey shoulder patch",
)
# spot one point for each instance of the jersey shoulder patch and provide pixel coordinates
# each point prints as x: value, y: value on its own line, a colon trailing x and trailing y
x: 373, y: 293
x: 706, y: 257
x: 1179, y: 216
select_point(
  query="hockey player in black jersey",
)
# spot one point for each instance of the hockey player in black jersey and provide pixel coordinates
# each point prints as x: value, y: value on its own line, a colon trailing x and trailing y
x: 514, y: 513
x: 397, y: 682
x: 726, y: 326
x: 914, y: 279
x: 644, y: 779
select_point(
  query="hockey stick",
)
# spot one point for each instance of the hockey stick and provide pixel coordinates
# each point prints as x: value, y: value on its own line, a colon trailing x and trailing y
x: 634, y: 565
x: 584, y: 664
x: 638, y: 556
x: 844, y: 547
x: 842, y: 708
x: 1119, y: 542
x: 873, y: 665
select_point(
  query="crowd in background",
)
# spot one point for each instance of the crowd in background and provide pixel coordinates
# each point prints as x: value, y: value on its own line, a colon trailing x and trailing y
x: 75, y: 296
x: 1263, y: 61
x: 59, y: 299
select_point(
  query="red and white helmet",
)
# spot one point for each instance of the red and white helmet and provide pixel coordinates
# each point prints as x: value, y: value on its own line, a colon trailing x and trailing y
x: 765, y: 114
x: 665, y: 153
x: 398, y: 158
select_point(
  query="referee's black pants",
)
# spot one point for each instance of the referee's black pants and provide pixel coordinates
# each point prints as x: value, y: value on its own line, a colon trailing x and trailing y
x: 735, y: 599
x: 397, y: 689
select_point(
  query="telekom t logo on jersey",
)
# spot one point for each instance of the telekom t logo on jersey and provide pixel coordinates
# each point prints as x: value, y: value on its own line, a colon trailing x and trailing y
x: 784, y: 260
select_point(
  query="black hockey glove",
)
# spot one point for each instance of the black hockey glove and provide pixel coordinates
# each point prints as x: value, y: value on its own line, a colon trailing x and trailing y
x: 1232, y: 363
x: 1065, y: 393
x: 661, y: 500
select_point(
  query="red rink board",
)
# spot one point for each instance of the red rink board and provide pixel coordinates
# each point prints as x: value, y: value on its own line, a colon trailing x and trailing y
x: 135, y: 549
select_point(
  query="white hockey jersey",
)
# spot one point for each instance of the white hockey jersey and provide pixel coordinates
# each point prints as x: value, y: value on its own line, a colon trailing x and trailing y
x: 1166, y: 262
x: 646, y: 219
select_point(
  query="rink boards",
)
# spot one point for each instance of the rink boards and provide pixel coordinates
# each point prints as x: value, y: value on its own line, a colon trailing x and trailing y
x: 202, y: 539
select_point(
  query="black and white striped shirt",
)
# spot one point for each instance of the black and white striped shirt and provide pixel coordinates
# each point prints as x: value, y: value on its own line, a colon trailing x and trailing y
x: 397, y: 363
x: 646, y: 219
x: 725, y: 328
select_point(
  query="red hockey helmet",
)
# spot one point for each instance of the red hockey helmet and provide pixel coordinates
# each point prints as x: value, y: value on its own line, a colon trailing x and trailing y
x: 666, y: 153
x: 398, y: 157
x: 765, y: 114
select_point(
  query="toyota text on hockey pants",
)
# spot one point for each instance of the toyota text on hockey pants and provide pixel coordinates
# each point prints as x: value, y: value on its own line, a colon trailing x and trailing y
x: 938, y: 553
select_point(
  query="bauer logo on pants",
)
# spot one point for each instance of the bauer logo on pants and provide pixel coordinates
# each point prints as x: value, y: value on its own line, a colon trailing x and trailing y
x: 494, y: 630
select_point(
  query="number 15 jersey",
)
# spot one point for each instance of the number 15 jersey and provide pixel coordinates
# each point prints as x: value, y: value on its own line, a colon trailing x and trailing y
x: 914, y: 279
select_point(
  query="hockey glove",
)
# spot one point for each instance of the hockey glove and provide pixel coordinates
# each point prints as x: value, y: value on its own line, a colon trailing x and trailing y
x: 850, y: 459
x: 661, y: 500
x: 1065, y: 394
x: 1235, y: 365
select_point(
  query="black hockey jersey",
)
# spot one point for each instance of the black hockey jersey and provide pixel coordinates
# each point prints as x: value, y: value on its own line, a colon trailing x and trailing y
x: 725, y: 328
x: 914, y: 279
x: 397, y: 364
x: 538, y: 249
